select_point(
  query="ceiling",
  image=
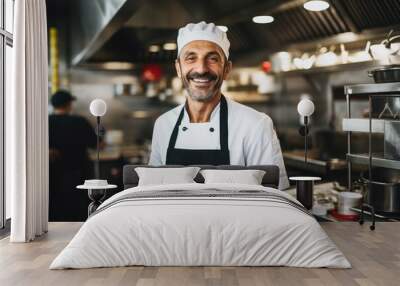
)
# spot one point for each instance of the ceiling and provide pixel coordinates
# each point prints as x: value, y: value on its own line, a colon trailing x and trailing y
x: 157, y: 22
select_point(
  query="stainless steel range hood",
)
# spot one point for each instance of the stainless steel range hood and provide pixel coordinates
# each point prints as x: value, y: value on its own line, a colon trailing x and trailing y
x: 122, y: 30
x: 94, y: 22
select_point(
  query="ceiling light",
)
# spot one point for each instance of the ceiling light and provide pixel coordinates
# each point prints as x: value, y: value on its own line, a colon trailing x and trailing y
x: 154, y: 48
x: 169, y: 46
x: 223, y: 28
x: 263, y: 19
x: 316, y: 5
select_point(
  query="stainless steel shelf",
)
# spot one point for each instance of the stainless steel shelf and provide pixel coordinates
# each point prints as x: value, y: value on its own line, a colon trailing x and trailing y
x: 330, y: 69
x: 378, y: 217
x: 377, y: 89
x: 297, y: 162
x: 377, y: 160
x: 362, y: 125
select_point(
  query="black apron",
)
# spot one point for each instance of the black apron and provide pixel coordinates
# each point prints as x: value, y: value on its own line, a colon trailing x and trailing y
x: 177, y: 156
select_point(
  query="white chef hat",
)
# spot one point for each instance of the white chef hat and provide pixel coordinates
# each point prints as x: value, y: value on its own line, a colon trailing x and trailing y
x: 203, y: 31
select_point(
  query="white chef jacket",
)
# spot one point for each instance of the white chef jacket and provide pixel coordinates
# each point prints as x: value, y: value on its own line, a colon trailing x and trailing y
x: 252, y: 139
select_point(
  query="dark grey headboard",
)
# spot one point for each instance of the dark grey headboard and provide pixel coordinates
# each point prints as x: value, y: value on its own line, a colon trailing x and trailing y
x: 271, y: 177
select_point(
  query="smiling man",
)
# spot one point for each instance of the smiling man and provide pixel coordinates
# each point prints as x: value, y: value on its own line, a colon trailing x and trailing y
x: 209, y: 128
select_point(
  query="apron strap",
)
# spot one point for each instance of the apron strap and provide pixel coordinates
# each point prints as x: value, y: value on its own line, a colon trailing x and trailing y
x: 174, y: 134
x: 223, y: 124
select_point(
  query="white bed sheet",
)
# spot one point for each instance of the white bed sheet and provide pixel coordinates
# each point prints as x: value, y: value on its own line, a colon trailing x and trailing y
x: 200, y: 231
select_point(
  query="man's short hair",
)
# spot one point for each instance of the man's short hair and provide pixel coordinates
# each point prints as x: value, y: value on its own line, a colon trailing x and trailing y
x: 61, y: 98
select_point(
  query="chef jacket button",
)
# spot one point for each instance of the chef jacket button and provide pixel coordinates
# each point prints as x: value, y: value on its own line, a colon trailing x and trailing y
x: 184, y: 128
x: 211, y: 129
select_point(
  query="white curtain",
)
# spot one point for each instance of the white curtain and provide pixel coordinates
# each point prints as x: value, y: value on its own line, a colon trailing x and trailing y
x: 27, y: 123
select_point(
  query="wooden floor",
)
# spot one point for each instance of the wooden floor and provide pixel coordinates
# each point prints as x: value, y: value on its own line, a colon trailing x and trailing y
x: 375, y: 256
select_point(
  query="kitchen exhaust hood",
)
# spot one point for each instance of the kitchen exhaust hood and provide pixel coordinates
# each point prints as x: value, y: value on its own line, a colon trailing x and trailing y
x: 123, y: 30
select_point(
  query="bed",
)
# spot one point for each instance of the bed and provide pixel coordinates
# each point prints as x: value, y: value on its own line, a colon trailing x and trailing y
x: 201, y: 224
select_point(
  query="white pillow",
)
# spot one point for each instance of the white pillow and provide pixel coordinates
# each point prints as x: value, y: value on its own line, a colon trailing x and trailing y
x: 248, y: 177
x: 165, y: 176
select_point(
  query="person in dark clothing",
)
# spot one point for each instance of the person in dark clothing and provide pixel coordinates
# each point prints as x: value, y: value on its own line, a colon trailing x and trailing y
x: 70, y: 136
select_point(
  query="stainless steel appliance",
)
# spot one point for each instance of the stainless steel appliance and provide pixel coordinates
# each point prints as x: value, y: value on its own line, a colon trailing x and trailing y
x: 384, y: 190
x: 392, y: 140
x: 386, y: 74
x: 383, y: 178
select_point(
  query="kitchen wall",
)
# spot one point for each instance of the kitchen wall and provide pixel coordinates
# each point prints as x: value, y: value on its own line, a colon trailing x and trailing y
x: 281, y: 107
x: 323, y: 88
x: 121, y: 110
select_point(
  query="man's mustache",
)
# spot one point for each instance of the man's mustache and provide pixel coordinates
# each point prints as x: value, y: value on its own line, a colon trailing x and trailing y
x: 206, y: 76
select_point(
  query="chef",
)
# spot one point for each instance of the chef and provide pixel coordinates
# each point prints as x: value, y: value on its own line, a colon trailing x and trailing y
x: 209, y: 128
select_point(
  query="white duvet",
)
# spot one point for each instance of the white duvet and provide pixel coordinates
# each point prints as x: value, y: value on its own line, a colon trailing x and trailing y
x: 200, y: 231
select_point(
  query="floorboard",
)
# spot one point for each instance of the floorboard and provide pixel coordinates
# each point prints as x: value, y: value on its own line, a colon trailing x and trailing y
x: 375, y: 257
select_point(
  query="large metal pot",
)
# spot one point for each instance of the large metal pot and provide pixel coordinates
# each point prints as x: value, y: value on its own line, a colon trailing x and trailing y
x: 384, y: 190
x: 386, y: 74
